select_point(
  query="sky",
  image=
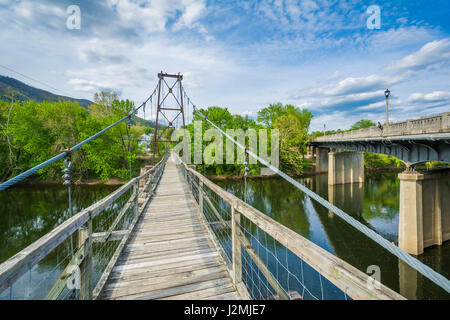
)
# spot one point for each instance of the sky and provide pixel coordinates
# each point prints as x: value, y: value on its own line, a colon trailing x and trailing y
x: 330, y: 57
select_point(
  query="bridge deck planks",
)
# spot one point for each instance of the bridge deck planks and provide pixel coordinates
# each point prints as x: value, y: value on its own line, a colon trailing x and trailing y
x: 170, y: 254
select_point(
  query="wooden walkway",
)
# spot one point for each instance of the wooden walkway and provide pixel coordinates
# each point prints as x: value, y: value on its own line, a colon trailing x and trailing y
x: 170, y: 254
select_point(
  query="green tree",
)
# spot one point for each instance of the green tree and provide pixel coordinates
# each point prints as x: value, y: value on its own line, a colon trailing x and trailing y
x: 268, y: 115
x: 293, y: 138
x: 362, y: 124
x: 117, y: 150
x: 38, y: 131
x: 293, y: 123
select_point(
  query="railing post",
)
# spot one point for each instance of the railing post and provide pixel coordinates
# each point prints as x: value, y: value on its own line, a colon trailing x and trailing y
x: 200, y: 195
x: 236, y: 246
x: 150, y: 182
x: 136, y: 199
x: 85, y: 239
x: 188, y: 178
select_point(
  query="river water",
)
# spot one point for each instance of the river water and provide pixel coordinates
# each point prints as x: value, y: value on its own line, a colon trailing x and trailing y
x: 27, y: 213
x: 375, y: 203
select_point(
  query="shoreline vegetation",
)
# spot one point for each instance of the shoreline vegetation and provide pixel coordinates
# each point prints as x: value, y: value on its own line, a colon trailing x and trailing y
x: 310, y: 173
x: 116, y: 181
x: 32, y: 132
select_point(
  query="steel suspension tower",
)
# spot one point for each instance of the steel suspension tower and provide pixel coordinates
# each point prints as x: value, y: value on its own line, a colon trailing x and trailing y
x: 171, y: 113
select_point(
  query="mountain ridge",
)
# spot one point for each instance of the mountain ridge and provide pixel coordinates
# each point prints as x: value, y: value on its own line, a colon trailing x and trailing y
x: 22, y: 92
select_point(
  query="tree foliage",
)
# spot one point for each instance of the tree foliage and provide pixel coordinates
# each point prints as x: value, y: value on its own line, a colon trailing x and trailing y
x: 32, y: 132
x: 292, y: 123
x: 362, y: 124
x: 268, y: 115
x: 36, y: 132
x: 293, y: 139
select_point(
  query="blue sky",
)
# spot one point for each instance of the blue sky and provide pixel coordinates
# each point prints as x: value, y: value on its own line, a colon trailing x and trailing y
x: 244, y: 55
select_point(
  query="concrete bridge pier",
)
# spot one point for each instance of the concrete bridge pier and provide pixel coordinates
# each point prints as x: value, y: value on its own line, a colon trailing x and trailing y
x: 424, y: 218
x: 345, y: 167
x: 321, y: 155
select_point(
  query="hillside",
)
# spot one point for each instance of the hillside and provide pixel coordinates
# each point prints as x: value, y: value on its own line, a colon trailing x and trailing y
x: 143, y: 122
x: 23, y: 92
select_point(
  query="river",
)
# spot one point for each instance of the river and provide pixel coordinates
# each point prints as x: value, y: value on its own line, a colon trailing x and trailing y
x: 375, y: 203
x: 27, y: 213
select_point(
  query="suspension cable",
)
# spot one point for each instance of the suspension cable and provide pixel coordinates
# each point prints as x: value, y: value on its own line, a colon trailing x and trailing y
x: 63, y: 154
x: 129, y: 142
x: 416, y: 264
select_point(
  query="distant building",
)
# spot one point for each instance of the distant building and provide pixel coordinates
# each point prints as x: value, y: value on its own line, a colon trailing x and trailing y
x: 145, y: 141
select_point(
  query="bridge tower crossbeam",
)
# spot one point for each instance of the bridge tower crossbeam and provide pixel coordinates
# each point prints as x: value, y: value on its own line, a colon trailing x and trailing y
x: 161, y: 109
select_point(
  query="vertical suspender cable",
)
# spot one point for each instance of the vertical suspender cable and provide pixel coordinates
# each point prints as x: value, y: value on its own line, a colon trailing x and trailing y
x: 68, y: 182
x: 129, y: 143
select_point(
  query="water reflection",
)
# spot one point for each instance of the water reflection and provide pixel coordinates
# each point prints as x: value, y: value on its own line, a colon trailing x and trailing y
x: 375, y: 203
x: 28, y: 213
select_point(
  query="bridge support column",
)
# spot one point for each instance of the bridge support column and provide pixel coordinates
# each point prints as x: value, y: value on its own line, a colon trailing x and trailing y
x: 321, y: 159
x: 345, y: 167
x: 424, y: 218
x: 310, y: 151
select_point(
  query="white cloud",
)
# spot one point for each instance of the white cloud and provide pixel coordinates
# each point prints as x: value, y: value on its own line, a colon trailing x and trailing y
x: 434, y: 52
x: 297, y: 44
x: 423, y: 104
x: 355, y: 85
x: 338, y: 120
x: 248, y: 113
x: 430, y: 97
x: 396, y: 38
x: 349, y: 102
x: 33, y: 14
x: 192, y: 12
x: 154, y: 15
x: 307, y: 18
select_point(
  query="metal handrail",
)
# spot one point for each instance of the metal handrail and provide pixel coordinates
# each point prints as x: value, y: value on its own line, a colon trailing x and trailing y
x: 17, y: 265
x: 343, y: 275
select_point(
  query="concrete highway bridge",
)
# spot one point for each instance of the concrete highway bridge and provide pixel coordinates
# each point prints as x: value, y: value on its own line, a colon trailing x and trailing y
x: 424, y: 203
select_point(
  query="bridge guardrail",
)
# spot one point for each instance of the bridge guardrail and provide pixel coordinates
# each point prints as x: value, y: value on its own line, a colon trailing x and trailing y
x: 425, y: 125
x: 245, y: 237
x: 99, y: 232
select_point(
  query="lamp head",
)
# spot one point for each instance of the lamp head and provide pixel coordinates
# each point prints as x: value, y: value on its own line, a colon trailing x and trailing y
x: 387, y: 93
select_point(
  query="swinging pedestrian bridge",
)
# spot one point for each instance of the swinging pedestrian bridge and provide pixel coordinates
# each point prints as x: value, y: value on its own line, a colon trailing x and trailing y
x: 171, y: 233
x: 178, y: 235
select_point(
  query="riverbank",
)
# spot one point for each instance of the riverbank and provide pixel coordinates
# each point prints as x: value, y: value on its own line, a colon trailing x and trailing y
x: 308, y: 173
x: 114, y: 181
x: 89, y: 182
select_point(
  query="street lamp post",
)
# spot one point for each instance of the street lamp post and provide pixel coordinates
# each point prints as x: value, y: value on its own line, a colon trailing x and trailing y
x: 387, y: 93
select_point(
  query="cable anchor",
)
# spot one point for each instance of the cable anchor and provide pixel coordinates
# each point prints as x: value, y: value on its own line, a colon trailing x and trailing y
x: 246, y: 171
x: 68, y: 165
x: 68, y: 182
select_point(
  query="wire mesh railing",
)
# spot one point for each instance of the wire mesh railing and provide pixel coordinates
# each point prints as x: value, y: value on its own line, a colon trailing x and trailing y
x: 74, y: 260
x: 268, y: 260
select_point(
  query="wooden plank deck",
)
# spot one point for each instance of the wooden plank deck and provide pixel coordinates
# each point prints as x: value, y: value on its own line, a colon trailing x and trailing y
x: 170, y: 254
